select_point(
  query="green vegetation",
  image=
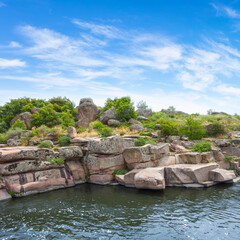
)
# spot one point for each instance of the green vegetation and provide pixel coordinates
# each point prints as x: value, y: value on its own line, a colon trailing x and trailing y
x: 142, y: 105
x: 105, y: 132
x: 19, y: 124
x: 11, y: 193
x: 215, y: 129
x: 58, y: 161
x: 229, y: 158
x: 64, y: 141
x: 45, y: 144
x: 120, y: 172
x: 143, y: 141
x: 98, y: 126
x: 2, y: 139
x: 192, y: 129
x: 149, y: 134
x: 202, y: 147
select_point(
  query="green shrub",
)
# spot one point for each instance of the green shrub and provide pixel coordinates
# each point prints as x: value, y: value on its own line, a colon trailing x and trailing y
x: 3, y: 139
x: 67, y: 120
x: 202, y: 147
x: 125, y: 109
x: 122, y: 133
x: 168, y: 127
x: 58, y: 161
x: 229, y: 158
x: 193, y: 129
x: 120, y: 172
x: 140, y: 142
x: 105, y: 132
x: 98, y: 126
x: 64, y: 141
x: 13, y: 133
x: 81, y: 130
x: 45, y: 144
x: 43, y: 130
x: 35, y: 132
x: 149, y: 134
x: 215, y: 129
x: 19, y: 124
x: 3, y: 127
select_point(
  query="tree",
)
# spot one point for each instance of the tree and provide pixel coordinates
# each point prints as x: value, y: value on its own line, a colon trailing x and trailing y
x: 142, y: 105
x: 171, y: 108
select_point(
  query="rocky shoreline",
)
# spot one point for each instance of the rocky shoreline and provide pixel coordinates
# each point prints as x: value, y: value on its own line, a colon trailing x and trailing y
x: 29, y: 170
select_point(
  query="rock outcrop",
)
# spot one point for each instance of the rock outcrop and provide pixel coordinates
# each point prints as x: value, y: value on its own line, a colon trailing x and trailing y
x: 25, y: 117
x: 107, y: 115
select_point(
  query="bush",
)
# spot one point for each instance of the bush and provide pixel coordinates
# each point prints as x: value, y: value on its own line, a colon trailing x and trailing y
x: 125, y: 109
x: 142, y: 105
x: 64, y: 141
x: 81, y: 130
x: 3, y: 139
x: 149, y: 134
x: 45, y: 144
x: 168, y: 127
x: 202, y: 147
x: 19, y: 124
x: 98, y: 126
x: 215, y: 129
x: 13, y: 133
x: 58, y: 161
x: 120, y: 172
x: 35, y: 132
x: 3, y: 127
x: 143, y: 141
x: 193, y: 129
x: 122, y: 133
x: 229, y: 158
x: 105, y: 132
x: 47, y: 116
x: 67, y: 120
x: 43, y: 130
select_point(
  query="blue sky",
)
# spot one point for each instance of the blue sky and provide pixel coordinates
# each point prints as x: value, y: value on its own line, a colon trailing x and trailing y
x: 166, y: 52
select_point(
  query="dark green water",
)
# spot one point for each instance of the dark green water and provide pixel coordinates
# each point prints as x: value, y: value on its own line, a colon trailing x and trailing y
x: 107, y: 212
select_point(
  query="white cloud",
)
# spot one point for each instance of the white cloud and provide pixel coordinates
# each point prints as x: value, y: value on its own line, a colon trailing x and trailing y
x: 14, y: 44
x: 5, y: 63
x: 224, y: 89
x: 2, y: 4
x: 105, y: 30
x: 226, y: 11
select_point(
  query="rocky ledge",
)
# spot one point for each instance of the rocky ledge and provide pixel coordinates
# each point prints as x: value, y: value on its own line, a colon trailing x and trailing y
x: 30, y: 170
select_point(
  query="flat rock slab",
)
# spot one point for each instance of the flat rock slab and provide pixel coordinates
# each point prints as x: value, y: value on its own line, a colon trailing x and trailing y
x: 150, y: 178
x: 221, y: 175
x: 4, y: 194
x: 129, y: 177
x: 188, y: 173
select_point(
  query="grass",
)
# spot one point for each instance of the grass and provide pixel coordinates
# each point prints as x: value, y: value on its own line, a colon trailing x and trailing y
x: 120, y: 172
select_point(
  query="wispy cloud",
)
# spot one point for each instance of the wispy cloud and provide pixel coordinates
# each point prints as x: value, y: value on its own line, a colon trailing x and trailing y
x: 2, y: 4
x: 105, y: 30
x: 226, y: 11
x: 5, y: 63
x: 224, y: 89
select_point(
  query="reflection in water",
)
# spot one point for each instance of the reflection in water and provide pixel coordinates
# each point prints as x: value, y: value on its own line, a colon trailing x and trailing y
x: 107, y: 212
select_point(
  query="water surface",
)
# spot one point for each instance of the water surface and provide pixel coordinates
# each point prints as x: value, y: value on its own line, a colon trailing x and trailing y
x: 113, y: 212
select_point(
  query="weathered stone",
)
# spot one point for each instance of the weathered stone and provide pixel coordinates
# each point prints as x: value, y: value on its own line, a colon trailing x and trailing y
x: 178, y: 148
x: 137, y: 127
x: 14, y: 142
x: 26, y: 166
x: 87, y: 109
x: 221, y: 175
x: 120, y: 179
x: 98, y: 164
x: 142, y: 118
x: 187, y: 144
x: 150, y: 178
x: 25, y: 117
x: 77, y: 170
x: 4, y: 195
x: 129, y: 178
x: 218, y: 155
x: 109, y: 114
x: 207, y: 157
x: 232, y: 134
x: 167, y: 160
x: 173, y: 138
x: 101, y: 179
x: 236, y: 141
x: 25, y: 153
x: 222, y: 142
x: 145, y: 156
x: 72, y: 132
x: 134, y: 121
x: 83, y: 123
x: 70, y: 153
x: 36, y: 182
x: 188, y: 173
x: 113, y: 123
x: 191, y: 157
x: 144, y: 112
x: 111, y: 145
x: 231, y: 151
x: 80, y: 141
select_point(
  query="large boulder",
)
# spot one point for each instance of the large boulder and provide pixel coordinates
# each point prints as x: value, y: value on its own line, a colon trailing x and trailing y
x: 87, y: 109
x: 77, y: 170
x: 129, y: 178
x: 25, y: 117
x: 180, y: 174
x: 113, y: 123
x: 83, y: 123
x: 190, y: 157
x: 72, y: 132
x: 231, y: 151
x: 111, y: 145
x: 221, y: 175
x: 134, y: 121
x: 109, y: 114
x: 145, y: 156
x: 144, y: 112
x: 137, y: 127
x: 101, y: 179
x: 150, y: 178
x: 70, y: 153
x: 222, y: 142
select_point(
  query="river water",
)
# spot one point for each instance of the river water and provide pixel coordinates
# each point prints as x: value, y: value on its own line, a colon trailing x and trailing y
x: 114, y: 212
